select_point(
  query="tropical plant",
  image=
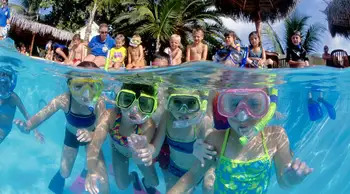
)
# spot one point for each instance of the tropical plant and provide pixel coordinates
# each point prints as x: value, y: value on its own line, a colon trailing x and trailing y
x: 29, y: 8
x: 311, y: 34
x: 162, y: 18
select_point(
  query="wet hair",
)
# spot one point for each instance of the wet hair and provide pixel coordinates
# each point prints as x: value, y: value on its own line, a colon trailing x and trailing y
x: 161, y: 55
x: 254, y: 33
x: 85, y: 64
x: 230, y: 33
x: 120, y: 37
x: 138, y: 88
x: 88, y: 64
x: 76, y: 37
x: 103, y: 25
x: 202, y: 93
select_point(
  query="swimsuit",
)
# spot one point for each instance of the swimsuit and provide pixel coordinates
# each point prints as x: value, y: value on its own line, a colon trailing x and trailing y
x: 77, y: 121
x: 184, y: 147
x: 249, y: 177
x: 117, y: 137
x: 8, y: 111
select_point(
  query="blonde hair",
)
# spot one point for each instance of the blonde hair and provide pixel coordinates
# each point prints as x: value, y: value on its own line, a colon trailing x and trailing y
x: 176, y: 37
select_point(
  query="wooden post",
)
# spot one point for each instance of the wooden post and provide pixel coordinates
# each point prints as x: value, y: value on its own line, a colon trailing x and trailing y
x: 32, y: 45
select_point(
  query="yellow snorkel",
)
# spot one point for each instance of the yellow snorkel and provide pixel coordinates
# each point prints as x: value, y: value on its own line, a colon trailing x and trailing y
x: 266, y: 119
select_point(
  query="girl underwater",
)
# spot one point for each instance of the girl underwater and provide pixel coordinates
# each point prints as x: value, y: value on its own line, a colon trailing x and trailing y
x: 181, y: 125
x: 82, y: 108
x: 9, y: 101
x: 247, y: 149
x: 135, y: 105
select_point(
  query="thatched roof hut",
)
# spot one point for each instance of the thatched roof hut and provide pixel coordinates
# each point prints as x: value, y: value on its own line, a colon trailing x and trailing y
x: 256, y: 10
x: 24, y: 28
x: 338, y: 17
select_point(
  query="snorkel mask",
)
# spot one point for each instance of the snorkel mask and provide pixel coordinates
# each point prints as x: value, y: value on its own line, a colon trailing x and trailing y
x: 241, y: 103
x: 88, y: 89
x: 145, y: 104
x: 187, y: 104
x: 8, y: 81
x: 228, y: 56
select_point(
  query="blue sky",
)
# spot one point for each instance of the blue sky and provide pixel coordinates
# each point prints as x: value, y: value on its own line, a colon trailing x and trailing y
x: 311, y: 8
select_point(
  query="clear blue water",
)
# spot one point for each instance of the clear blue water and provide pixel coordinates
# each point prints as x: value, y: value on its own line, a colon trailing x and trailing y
x: 26, y: 166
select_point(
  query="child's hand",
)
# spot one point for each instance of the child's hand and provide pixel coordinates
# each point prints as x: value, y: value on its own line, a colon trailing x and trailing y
x: 141, y: 149
x: 203, y: 151
x: 279, y: 115
x: 91, y: 183
x: 39, y: 136
x: 296, y: 172
x: 21, y: 125
x: 84, y: 135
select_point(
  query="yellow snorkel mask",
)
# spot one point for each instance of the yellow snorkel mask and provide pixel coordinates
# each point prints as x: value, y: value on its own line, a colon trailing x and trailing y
x: 87, y: 88
x: 187, y: 104
x: 147, y: 104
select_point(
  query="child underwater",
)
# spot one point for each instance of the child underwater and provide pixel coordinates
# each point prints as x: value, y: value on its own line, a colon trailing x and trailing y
x: 135, y: 105
x: 9, y: 101
x: 182, y: 125
x: 248, y: 148
x: 82, y: 108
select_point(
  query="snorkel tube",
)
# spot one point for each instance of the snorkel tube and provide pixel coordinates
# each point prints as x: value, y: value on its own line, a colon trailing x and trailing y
x: 266, y: 119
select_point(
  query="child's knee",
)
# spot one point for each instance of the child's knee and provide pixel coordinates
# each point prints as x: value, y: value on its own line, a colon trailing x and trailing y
x: 65, y: 172
x: 208, y: 181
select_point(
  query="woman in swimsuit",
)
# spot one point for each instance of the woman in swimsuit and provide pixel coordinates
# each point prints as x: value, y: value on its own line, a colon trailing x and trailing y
x: 247, y: 149
x: 82, y: 108
x: 9, y: 101
x: 135, y: 105
x: 182, y: 124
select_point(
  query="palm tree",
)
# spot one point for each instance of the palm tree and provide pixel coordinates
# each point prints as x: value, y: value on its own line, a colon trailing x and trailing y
x: 162, y: 18
x: 29, y: 8
x: 96, y: 4
x: 311, y: 39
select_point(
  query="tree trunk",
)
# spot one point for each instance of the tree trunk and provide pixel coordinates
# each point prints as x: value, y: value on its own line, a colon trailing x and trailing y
x: 157, y: 44
x: 90, y: 21
x: 258, y: 24
x: 32, y: 45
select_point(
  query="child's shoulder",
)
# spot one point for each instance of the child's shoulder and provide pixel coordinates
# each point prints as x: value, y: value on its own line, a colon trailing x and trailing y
x: 215, y: 136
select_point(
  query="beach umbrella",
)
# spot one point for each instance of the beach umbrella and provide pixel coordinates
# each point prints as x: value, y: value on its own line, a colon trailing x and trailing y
x: 338, y: 17
x: 256, y: 10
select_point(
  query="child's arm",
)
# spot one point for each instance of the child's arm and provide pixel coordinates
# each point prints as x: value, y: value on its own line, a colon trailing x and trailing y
x: 141, y: 56
x: 104, y: 122
x: 288, y: 172
x: 195, y: 174
x: 58, y: 103
x: 205, y: 52
x: 129, y: 56
x: 263, y: 59
x: 188, y: 53
x: 177, y: 57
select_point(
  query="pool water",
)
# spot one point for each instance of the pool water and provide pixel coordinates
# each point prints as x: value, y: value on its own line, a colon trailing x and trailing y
x: 26, y: 166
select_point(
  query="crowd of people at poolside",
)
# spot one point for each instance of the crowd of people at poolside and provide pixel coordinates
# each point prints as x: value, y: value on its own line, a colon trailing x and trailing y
x: 113, y: 54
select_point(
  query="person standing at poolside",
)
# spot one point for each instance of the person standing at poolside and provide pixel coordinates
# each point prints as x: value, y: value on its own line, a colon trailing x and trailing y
x: 4, y: 19
x: 326, y: 56
x: 136, y: 58
x: 197, y: 51
x: 296, y: 55
x: 99, y: 46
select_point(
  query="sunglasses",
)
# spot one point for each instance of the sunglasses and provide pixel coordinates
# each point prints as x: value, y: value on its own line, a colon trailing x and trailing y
x: 103, y: 32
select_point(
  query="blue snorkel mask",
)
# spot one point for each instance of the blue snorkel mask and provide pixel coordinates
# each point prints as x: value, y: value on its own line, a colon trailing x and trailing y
x: 8, y: 81
x: 230, y: 57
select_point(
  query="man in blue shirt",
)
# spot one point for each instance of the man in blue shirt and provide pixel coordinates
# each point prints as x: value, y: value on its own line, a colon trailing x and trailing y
x: 4, y: 19
x: 99, y: 46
